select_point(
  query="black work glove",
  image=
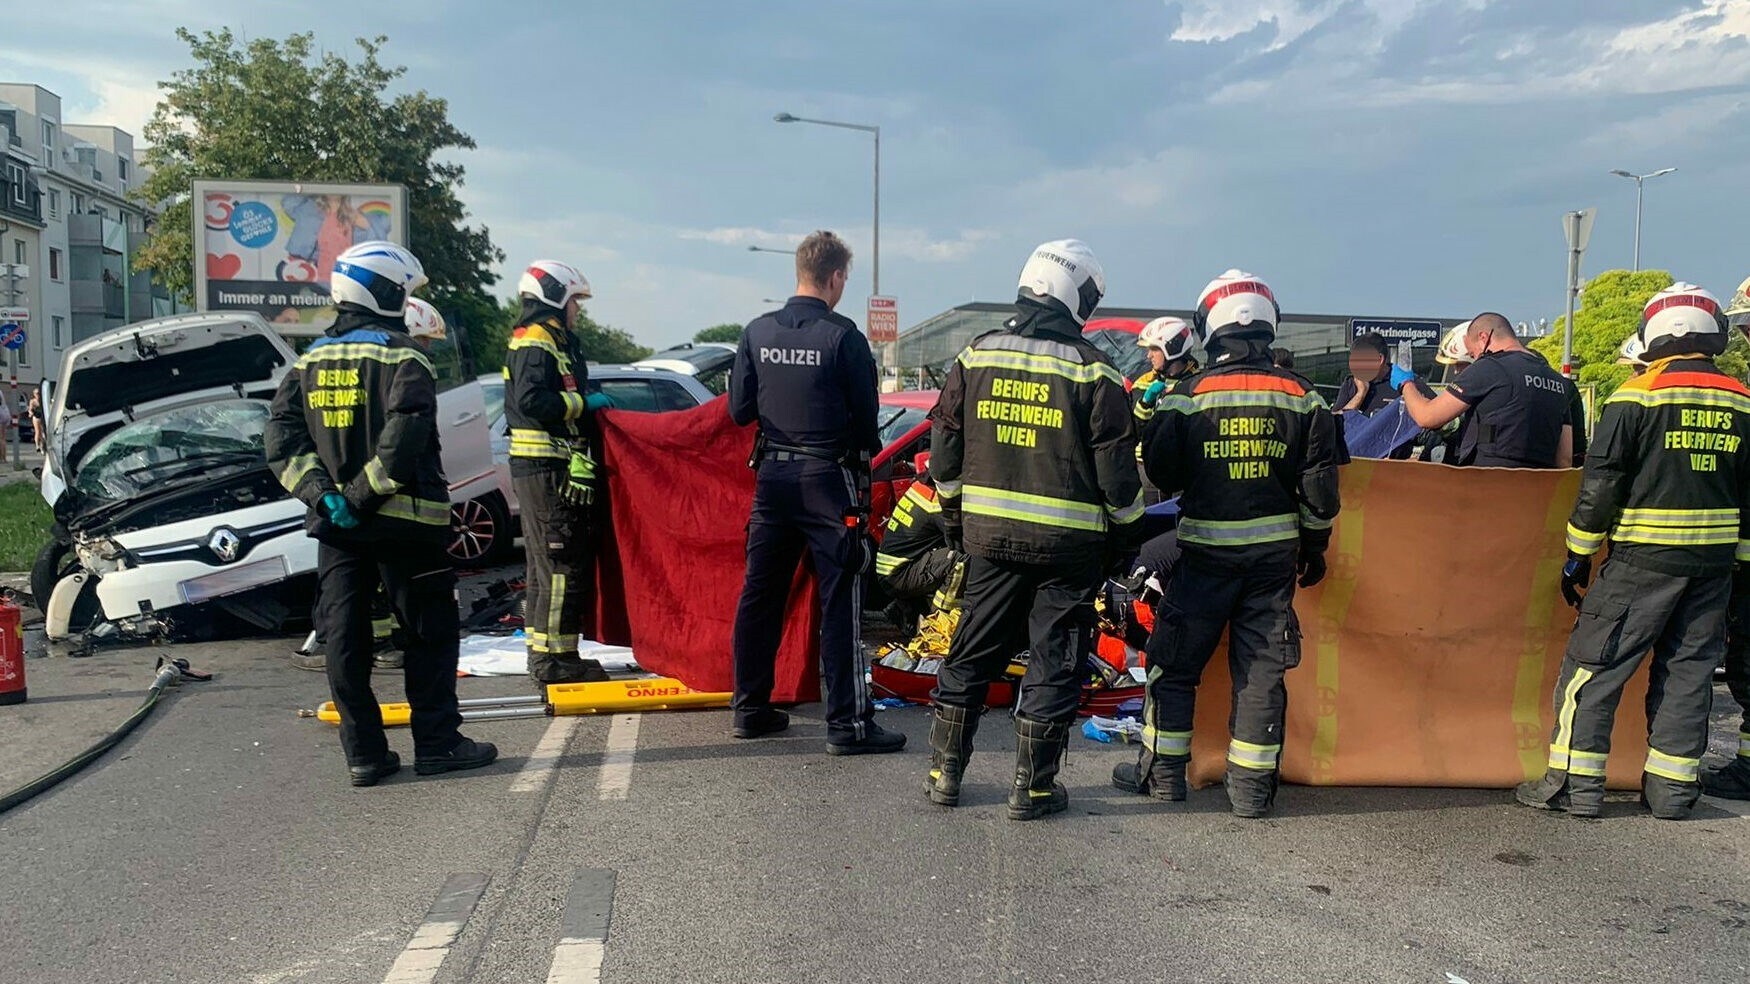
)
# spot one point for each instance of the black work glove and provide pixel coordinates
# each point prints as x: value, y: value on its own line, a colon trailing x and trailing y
x: 952, y: 528
x: 1576, y: 574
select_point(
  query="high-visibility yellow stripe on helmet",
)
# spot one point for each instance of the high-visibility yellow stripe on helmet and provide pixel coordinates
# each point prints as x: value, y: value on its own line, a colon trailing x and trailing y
x: 1044, y: 510
x: 1239, y: 532
x: 1249, y: 755
x: 1673, y: 767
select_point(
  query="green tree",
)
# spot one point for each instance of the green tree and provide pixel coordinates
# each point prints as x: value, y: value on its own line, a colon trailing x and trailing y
x: 601, y: 343
x: 730, y: 333
x: 1610, y: 311
x: 271, y: 110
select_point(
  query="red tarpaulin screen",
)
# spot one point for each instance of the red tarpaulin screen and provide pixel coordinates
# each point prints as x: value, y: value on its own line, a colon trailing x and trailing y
x: 669, y: 571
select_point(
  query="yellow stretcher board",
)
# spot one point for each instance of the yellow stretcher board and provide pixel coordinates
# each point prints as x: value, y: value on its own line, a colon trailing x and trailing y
x: 610, y: 697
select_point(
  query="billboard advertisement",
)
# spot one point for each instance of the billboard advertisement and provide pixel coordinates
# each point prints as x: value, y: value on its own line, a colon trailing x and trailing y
x: 269, y: 246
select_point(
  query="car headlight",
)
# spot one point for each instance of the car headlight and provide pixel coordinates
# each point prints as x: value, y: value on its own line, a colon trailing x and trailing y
x: 102, y: 556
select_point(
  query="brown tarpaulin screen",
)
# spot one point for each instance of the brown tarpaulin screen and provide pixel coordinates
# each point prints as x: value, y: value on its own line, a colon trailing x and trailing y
x: 1431, y: 648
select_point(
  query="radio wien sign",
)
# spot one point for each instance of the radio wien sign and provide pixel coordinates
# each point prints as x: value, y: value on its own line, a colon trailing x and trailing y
x: 883, y: 321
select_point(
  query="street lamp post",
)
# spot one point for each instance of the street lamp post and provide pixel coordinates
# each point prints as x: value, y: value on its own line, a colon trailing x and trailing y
x: 875, y: 250
x: 767, y: 249
x: 1639, y: 180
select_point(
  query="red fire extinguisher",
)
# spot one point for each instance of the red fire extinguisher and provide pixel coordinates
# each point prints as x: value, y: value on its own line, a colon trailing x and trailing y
x: 11, y: 652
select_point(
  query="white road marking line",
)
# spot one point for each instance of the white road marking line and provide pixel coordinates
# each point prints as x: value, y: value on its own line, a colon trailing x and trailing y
x: 616, y: 777
x: 535, y: 772
x: 583, y: 928
x: 425, y: 952
x: 577, y: 962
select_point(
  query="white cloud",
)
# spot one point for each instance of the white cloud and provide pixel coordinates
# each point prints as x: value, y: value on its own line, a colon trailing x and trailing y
x: 1208, y: 21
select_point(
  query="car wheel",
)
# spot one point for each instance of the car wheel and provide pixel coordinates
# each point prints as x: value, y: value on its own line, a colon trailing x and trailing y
x: 479, y: 529
x: 53, y: 563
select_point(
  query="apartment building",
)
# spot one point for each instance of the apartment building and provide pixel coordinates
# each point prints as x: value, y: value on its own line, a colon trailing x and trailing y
x: 68, y: 212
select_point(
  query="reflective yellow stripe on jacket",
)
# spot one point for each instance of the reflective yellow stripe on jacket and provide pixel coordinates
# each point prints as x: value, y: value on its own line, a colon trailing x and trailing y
x: 1023, y: 507
x: 424, y: 511
x: 1239, y: 532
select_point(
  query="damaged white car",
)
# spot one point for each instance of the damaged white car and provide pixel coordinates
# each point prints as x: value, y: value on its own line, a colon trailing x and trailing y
x: 167, y: 519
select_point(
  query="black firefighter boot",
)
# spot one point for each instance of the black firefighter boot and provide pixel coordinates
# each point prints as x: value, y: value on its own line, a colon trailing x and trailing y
x: 1730, y: 781
x: 951, y: 734
x: 1039, y: 750
x: 1159, y: 776
x: 1250, y: 791
x: 1579, y: 796
x: 1668, y: 798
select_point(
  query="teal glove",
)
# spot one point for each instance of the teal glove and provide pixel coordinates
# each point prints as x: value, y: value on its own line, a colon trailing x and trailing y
x: 579, y: 489
x: 599, y: 401
x: 1400, y: 376
x: 333, y: 507
x: 1152, y: 395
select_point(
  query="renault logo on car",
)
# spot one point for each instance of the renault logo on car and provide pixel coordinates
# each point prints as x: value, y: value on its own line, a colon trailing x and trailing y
x: 224, y: 543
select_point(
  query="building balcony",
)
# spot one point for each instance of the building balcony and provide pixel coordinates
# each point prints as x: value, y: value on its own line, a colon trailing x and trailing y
x: 99, y: 297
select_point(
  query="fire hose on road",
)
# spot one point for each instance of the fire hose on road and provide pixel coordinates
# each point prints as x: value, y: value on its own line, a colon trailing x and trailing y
x: 170, y: 673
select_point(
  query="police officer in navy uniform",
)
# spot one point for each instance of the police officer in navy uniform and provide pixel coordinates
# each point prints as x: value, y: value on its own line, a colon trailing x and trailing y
x: 806, y: 374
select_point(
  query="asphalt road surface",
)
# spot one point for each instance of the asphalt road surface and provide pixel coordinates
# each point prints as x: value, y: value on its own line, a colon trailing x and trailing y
x: 222, y: 844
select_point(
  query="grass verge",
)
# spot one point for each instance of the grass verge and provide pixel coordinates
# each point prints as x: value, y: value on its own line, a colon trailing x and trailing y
x: 24, y: 525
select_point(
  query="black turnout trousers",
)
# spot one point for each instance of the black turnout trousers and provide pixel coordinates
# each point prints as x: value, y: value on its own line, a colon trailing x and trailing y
x: 800, y: 506
x: 1049, y: 609
x: 421, y: 584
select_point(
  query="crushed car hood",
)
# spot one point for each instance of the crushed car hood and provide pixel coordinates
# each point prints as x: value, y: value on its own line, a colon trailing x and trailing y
x: 129, y: 373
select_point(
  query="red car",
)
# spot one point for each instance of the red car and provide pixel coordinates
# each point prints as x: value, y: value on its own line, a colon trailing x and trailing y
x: 905, y: 434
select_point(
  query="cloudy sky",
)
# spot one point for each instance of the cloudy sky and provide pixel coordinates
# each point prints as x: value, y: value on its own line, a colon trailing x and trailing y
x: 1382, y: 157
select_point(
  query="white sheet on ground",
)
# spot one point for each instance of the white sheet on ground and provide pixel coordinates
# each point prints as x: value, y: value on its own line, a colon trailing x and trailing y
x: 490, y: 655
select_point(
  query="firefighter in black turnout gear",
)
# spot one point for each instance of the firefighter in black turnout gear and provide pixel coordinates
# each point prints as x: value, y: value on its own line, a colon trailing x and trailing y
x: 353, y: 435
x: 1668, y: 483
x: 1253, y: 449
x: 915, y: 566
x: 552, y: 468
x: 1034, y: 453
x: 807, y: 376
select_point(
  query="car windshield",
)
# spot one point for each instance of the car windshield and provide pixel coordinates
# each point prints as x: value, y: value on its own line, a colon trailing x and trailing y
x: 896, y: 422
x: 173, y: 446
x: 1120, y: 346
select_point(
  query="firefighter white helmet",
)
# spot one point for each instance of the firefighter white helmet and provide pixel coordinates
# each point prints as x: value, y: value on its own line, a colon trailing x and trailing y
x: 1632, y: 353
x: 552, y: 283
x: 1171, y: 335
x: 1738, y: 312
x: 377, y: 276
x: 1065, y: 271
x: 1452, y: 351
x: 424, y: 321
x: 1233, y: 302
x: 1687, y: 313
